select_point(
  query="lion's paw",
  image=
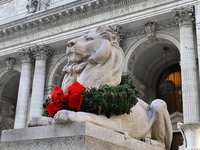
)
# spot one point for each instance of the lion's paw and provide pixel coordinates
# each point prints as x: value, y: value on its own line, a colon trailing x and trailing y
x: 126, y: 134
x: 64, y: 116
x: 61, y: 116
x: 153, y: 142
x: 40, y: 121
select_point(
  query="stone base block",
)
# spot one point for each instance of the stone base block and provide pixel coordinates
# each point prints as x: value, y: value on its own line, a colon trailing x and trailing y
x: 71, y: 136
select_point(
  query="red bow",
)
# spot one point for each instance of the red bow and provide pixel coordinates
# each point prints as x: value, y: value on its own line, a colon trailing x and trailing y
x: 73, y: 98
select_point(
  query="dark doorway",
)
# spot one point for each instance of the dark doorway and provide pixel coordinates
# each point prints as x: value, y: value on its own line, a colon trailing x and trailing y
x: 173, y: 101
x: 177, y: 141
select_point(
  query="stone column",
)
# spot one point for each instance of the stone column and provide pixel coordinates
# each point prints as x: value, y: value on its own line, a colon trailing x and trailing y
x: 184, y: 15
x: 24, y: 89
x: 197, y: 23
x: 40, y: 53
x: 191, y: 127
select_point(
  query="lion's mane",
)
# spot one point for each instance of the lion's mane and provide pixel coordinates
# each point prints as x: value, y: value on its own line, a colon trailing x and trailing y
x: 104, y: 65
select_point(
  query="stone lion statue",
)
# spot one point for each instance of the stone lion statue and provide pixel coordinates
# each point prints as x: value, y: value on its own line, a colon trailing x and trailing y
x: 95, y: 59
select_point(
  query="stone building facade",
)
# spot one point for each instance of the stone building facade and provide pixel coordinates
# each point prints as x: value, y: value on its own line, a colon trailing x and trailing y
x: 34, y: 33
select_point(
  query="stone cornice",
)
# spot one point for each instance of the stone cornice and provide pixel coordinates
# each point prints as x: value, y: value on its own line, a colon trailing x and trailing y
x: 64, y: 13
x: 62, y: 29
x: 158, y: 27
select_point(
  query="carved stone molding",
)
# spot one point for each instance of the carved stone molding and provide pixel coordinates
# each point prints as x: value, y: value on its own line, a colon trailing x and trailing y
x: 4, y: 1
x: 41, y: 51
x: 150, y: 29
x: 136, y: 32
x: 43, y: 4
x: 158, y: 27
x: 184, y: 15
x: 25, y: 55
x: 121, y: 33
x: 60, y: 51
x: 175, y: 118
x: 10, y: 63
x: 32, y: 6
x: 61, y: 15
x: 37, y: 5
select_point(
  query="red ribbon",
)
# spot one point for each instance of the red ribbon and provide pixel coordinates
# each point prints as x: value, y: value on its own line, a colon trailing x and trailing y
x: 73, y: 98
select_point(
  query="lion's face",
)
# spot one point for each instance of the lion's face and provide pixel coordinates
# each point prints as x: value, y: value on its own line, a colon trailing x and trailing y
x: 82, y: 48
x: 94, y: 59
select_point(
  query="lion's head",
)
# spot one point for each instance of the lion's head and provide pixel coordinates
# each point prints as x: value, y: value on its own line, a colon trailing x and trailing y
x: 94, y: 59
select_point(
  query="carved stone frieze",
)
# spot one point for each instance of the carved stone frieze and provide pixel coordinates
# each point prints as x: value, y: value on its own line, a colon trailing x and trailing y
x: 4, y: 1
x: 64, y: 15
x: 25, y: 55
x: 60, y: 51
x: 37, y: 5
x: 166, y: 25
x: 184, y: 15
x: 43, y: 4
x: 10, y: 63
x: 150, y: 29
x: 158, y: 27
x: 121, y: 33
x: 41, y: 51
x: 136, y: 32
x: 32, y: 6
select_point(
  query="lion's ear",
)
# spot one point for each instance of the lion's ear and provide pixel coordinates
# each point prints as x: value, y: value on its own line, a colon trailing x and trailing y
x: 109, y: 36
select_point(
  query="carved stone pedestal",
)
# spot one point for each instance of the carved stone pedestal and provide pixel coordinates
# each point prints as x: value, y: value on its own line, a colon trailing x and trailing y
x: 191, y: 135
x: 71, y: 136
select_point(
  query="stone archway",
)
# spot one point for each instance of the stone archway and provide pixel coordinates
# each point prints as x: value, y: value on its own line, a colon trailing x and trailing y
x: 145, y: 61
x: 8, y: 97
x: 55, y: 75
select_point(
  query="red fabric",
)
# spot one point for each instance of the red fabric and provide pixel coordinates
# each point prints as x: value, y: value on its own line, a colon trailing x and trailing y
x: 58, y: 94
x: 73, y: 98
x: 54, y: 107
x: 75, y: 101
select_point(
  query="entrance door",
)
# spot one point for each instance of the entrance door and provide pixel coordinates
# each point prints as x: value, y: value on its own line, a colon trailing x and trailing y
x: 173, y: 101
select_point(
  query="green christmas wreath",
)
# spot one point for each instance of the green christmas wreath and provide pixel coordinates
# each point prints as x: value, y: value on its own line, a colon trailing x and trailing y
x: 106, y: 100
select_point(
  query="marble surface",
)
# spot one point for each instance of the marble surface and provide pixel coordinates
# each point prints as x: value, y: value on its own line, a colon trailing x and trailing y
x: 71, y: 136
x: 191, y: 135
x: 64, y: 143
